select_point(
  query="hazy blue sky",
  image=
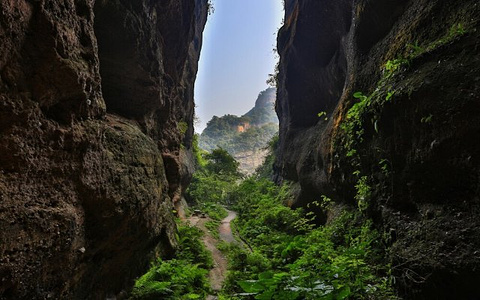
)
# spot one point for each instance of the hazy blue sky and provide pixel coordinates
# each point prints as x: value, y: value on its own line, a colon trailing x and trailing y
x: 236, y: 57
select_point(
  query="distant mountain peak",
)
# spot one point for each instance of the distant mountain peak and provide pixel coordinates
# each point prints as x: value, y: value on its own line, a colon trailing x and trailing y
x: 244, y: 137
x: 264, y: 110
x: 266, y: 97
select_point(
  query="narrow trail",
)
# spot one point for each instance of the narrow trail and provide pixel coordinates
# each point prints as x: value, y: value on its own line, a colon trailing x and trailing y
x: 225, y: 230
x: 218, y: 272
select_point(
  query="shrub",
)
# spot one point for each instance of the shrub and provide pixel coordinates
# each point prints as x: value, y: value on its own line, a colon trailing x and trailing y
x: 293, y: 260
x: 184, y: 277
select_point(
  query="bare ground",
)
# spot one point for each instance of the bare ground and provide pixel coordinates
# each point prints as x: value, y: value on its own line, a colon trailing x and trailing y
x: 218, y: 272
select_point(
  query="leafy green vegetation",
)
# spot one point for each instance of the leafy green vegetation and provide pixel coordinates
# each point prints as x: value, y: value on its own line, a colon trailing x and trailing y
x: 183, y: 277
x: 427, y: 119
x: 273, y: 78
x: 186, y: 275
x: 182, y: 127
x: 214, y: 210
x: 198, y: 153
x: 213, y: 182
x: 323, y: 114
x: 366, y: 109
x: 212, y: 226
x: 222, y: 163
x: 363, y: 193
x: 288, y: 255
x: 293, y: 259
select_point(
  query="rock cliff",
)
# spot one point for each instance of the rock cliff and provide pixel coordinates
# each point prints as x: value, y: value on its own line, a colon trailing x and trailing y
x: 245, y: 137
x: 96, y: 124
x: 397, y: 89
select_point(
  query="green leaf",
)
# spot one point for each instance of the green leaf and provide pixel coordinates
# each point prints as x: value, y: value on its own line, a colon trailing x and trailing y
x: 251, y: 286
x: 359, y: 95
x: 389, y: 95
x: 265, y: 275
x: 267, y: 295
x: 344, y: 293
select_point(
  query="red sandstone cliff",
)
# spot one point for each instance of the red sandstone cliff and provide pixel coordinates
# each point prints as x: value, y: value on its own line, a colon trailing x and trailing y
x: 91, y: 95
x: 408, y: 146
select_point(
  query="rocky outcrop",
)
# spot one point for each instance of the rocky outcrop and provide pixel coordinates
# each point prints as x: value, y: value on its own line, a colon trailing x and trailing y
x: 405, y: 150
x: 245, y: 137
x: 250, y: 160
x: 96, y: 125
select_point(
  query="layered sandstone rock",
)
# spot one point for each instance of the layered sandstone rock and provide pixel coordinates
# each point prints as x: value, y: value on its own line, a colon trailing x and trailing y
x: 418, y: 150
x: 92, y: 94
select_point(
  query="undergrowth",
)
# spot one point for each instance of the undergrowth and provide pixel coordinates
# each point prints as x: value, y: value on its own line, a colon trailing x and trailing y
x: 183, y: 277
x: 293, y: 259
x: 212, y: 226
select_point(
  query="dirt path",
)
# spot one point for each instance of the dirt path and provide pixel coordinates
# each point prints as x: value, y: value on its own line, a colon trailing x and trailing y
x: 218, y: 272
x: 225, y: 230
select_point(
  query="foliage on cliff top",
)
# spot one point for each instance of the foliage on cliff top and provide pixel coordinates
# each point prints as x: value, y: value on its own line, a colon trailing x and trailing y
x: 248, y: 132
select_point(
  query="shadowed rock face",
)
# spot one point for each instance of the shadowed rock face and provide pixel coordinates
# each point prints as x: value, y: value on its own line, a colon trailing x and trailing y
x: 91, y: 95
x: 426, y: 136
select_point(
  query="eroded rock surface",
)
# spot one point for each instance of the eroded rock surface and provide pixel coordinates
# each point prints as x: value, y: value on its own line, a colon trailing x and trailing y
x: 419, y: 150
x: 91, y: 160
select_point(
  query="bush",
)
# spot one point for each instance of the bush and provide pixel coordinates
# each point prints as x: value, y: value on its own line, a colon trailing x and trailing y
x: 191, y: 247
x: 214, y: 180
x: 184, y: 277
x: 173, y: 279
x: 293, y: 260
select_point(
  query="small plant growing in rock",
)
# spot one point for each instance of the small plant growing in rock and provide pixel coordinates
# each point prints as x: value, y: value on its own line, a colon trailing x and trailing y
x: 182, y: 127
x: 210, y: 8
x: 323, y: 114
x: 427, y: 119
x: 389, y: 96
x: 363, y: 193
x: 384, y: 165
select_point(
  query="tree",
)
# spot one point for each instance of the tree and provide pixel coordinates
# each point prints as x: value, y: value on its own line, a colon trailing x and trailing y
x: 219, y: 161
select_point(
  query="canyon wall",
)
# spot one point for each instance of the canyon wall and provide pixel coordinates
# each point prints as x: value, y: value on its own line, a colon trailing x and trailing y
x: 96, y: 126
x: 379, y: 108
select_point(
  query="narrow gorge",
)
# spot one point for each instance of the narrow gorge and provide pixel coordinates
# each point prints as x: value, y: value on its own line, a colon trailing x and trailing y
x: 370, y: 191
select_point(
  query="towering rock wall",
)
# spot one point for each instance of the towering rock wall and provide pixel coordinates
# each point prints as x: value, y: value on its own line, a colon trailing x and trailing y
x: 406, y: 149
x: 96, y: 101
